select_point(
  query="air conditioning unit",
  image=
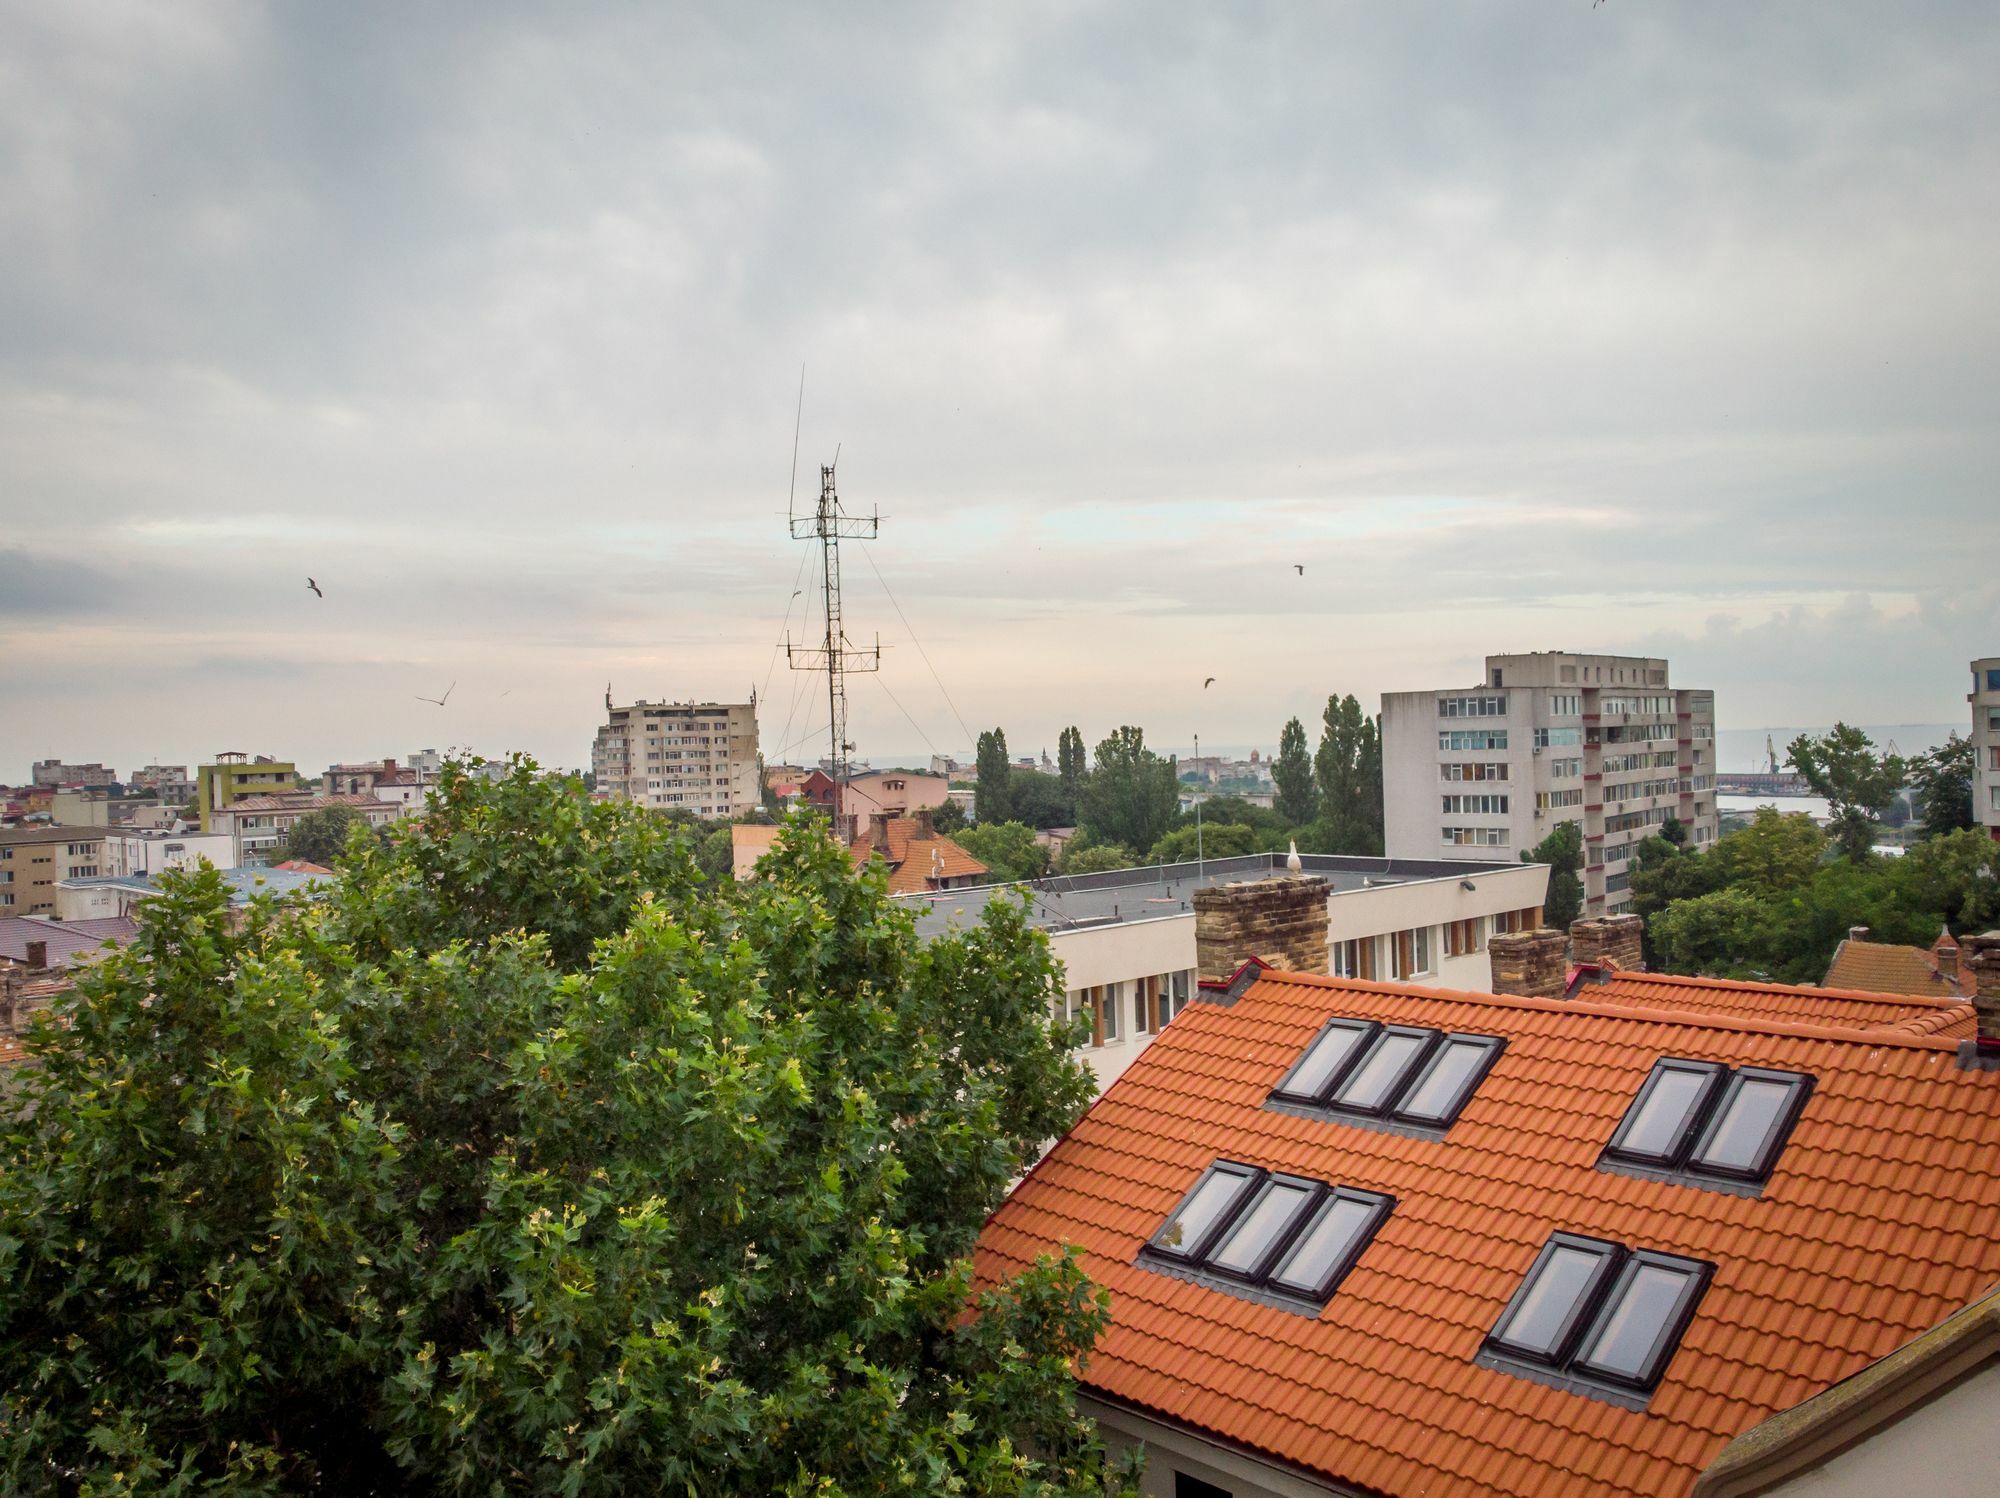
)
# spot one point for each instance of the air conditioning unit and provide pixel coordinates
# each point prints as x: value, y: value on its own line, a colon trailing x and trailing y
x: 1538, y: 749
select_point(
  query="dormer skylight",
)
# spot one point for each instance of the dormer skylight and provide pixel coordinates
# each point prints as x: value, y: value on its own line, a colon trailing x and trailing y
x: 1361, y: 1070
x: 1708, y: 1125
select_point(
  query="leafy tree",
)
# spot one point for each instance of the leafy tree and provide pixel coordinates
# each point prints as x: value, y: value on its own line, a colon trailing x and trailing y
x: 1956, y: 875
x: 1674, y: 831
x: 1777, y: 853
x: 1858, y: 783
x: 1217, y: 840
x: 1008, y: 849
x: 1131, y: 795
x: 1368, y: 778
x: 1040, y: 800
x: 531, y: 1161
x: 1292, y: 772
x: 949, y: 817
x: 1098, y: 858
x: 319, y: 836
x: 1943, y: 781
x: 990, y: 795
x: 1070, y: 762
x: 1347, y: 771
x: 1270, y: 827
x: 1562, y: 851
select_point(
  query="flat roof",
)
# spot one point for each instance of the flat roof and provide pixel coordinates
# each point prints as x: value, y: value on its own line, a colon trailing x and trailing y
x: 1074, y: 902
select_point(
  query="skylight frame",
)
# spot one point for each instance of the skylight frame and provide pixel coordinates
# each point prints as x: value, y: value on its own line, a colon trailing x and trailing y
x: 1427, y: 1042
x: 1192, y: 1253
x: 1380, y: 1205
x: 1491, y: 1045
x: 1715, y: 1077
x: 1364, y: 1031
x: 1256, y: 1272
x: 1777, y: 1135
x: 1666, y: 1340
x: 1581, y: 1313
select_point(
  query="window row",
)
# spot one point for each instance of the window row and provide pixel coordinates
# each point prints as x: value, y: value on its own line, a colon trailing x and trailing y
x: 1635, y: 704
x: 1472, y: 770
x: 1281, y: 1233
x: 1639, y: 733
x: 1154, y: 1001
x: 1571, y: 797
x: 1459, y: 740
x: 1709, y: 1122
x: 1472, y: 707
x: 1565, y: 769
x: 1474, y: 805
x: 1566, y: 704
x: 1600, y: 1311
x: 1401, y: 1073
x: 1558, y: 738
x: 1474, y: 837
x: 1397, y: 955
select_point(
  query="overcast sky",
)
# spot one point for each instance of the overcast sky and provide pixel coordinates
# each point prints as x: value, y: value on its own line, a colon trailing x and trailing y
x: 1650, y: 327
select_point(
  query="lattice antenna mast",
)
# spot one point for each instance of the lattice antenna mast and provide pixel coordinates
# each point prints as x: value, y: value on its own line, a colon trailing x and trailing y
x: 828, y: 524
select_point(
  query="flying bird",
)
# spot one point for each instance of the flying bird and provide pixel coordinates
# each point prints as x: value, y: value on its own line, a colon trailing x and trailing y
x: 440, y: 701
x: 1301, y: 566
x: 1207, y: 684
x: 315, y: 587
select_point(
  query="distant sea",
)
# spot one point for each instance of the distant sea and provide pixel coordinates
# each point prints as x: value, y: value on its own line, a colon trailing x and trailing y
x: 1743, y: 748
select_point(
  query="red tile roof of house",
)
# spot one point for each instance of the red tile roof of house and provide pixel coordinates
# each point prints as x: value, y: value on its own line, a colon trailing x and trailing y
x: 1884, y: 967
x: 1787, y: 1003
x: 1878, y: 1221
x: 911, y: 867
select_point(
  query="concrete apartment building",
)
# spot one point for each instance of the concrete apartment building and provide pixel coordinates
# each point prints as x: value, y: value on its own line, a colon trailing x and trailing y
x: 1606, y: 741
x: 33, y: 859
x: 699, y: 757
x: 1137, y: 945
x: 149, y: 850
x: 235, y: 775
x: 1985, y: 700
x: 54, y: 772
x: 171, y: 783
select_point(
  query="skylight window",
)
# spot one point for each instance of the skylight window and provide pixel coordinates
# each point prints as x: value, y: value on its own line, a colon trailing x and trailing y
x: 1395, y: 1073
x: 1709, y: 1124
x: 1598, y: 1314
x: 1255, y: 1229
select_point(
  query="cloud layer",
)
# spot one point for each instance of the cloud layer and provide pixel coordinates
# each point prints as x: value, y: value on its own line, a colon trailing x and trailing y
x: 1570, y: 327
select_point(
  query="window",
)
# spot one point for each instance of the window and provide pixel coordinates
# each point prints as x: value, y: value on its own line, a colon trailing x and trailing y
x: 1474, y: 770
x: 1475, y: 805
x: 1474, y: 837
x: 1461, y: 938
x: 1601, y: 1313
x: 1705, y: 1122
x: 1472, y: 707
x: 1400, y: 1073
x: 1193, y: 1487
x: 1410, y: 952
x: 1108, y: 998
x: 1459, y: 740
x: 1354, y: 958
x: 1992, y: 680
x: 1289, y: 1236
x: 1545, y: 737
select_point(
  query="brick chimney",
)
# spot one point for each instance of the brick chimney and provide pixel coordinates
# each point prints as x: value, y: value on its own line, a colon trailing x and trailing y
x: 1944, y: 952
x: 1282, y: 921
x: 1615, y: 941
x: 878, y: 832
x: 1981, y: 957
x: 38, y: 955
x: 1530, y: 964
x: 925, y: 830
x: 1857, y: 933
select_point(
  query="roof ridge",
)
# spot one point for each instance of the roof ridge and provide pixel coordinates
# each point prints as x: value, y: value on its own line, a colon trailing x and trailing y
x: 1866, y: 995
x: 1693, y: 1019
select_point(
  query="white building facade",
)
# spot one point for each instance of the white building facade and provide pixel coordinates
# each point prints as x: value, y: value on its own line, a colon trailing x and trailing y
x: 1985, y: 700
x: 147, y: 850
x: 699, y: 757
x: 1489, y: 771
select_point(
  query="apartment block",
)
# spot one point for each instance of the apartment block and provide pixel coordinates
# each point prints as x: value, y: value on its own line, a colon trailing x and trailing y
x: 1605, y: 741
x: 234, y: 776
x: 53, y: 772
x: 1985, y: 700
x: 699, y: 757
x: 33, y: 859
x: 171, y: 783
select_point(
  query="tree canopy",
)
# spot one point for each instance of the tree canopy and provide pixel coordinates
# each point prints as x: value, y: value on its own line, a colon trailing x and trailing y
x: 1943, y: 780
x: 1347, y: 777
x: 530, y: 1160
x: 319, y: 836
x: 1071, y: 763
x: 991, y: 801
x: 1213, y: 839
x: 1843, y: 766
x: 1131, y: 795
x: 1292, y: 774
x: 1008, y: 849
x: 1040, y: 800
x: 1562, y: 851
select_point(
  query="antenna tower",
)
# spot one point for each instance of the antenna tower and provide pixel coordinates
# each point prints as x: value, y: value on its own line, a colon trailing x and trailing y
x: 828, y: 524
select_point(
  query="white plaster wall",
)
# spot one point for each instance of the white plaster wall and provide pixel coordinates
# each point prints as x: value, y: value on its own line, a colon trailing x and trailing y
x: 1172, y: 1450
x: 1943, y: 1449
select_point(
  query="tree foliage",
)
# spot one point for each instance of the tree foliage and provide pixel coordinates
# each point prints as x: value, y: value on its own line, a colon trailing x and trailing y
x: 1292, y: 773
x: 531, y: 1161
x: 991, y: 802
x: 319, y: 836
x: 1040, y: 800
x: 1071, y: 764
x: 1131, y: 795
x: 1943, y: 781
x: 1347, y: 775
x: 949, y: 817
x: 1562, y: 851
x: 1008, y: 849
x: 1214, y: 840
x: 1843, y: 766
x: 1085, y: 857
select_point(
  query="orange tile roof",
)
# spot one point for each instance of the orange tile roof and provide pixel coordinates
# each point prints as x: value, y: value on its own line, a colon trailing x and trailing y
x: 1877, y: 1222
x: 1883, y: 967
x: 1784, y: 1002
x: 911, y: 868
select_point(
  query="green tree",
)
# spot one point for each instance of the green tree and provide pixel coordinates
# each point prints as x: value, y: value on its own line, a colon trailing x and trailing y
x: 1857, y: 782
x: 1217, y: 840
x: 1942, y: 780
x: 1040, y: 800
x: 949, y: 817
x: 1131, y: 795
x: 1562, y: 851
x: 990, y: 795
x: 1070, y: 762
x: 1008, y: 849
x: 532, y: 1161
x: 1347, y: 772
x: 1292, y: 772
x: 1368, y: 786
x: 320, y: 836
x: 1673, y: 831
x: 1778, y: 853
x: 1098, y: 858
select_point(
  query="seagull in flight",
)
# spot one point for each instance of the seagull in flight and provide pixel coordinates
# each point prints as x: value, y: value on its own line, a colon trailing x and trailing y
x: 315, y: 587
x: 1207, y: 684
x: 440, y: 701
x: 1301, y: 566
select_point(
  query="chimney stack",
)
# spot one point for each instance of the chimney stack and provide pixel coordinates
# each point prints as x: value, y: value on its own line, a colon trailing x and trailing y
x: 1944, y: 952
x: 1530, y: 964
x: 38, y: 955
x: 878, y: 832
x: 1981, y: 956
x: 925, y: 830
x: 1280, y: 920
x: 1612, y: 941
x: 1857, y: 933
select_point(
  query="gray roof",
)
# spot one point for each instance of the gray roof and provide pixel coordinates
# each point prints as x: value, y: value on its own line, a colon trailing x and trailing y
x: 1074, y: 902
x: 243, y: 883
x: 66, y: 940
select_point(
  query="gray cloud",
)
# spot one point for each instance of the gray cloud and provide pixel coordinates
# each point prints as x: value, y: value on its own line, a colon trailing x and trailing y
x: 1520, y: 328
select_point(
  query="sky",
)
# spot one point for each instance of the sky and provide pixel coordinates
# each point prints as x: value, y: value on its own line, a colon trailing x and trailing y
x: 1616, y: 327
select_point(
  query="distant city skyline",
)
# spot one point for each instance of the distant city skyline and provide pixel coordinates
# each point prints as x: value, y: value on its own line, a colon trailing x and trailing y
x: 1619, y: 329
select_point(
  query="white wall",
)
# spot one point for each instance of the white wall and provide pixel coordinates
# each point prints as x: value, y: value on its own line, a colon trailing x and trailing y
x: 1941, y: 1449
x: 1172, y: 1450
x: 1124, y: 954
x: 128, y: 854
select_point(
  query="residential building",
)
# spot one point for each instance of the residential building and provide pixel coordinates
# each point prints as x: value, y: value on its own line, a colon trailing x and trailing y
x: 55, y: 772
x: 170, y: 783
x: 1887, y: 967
x: 1985, y: 700
x: 233, y: 776
x: 699, y: 757
x: 84, y: 899
x: 257, y: 824
x: 42, y: 944
x: 34, y: 858
x: 1364, y: 1237
x: 920, y: 858
x: 78, y: 807
x: 362, y: 779
x: 1137, y: 945
x: 149, y: 850
x: 895, y: 792
x: 1605, y: 741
